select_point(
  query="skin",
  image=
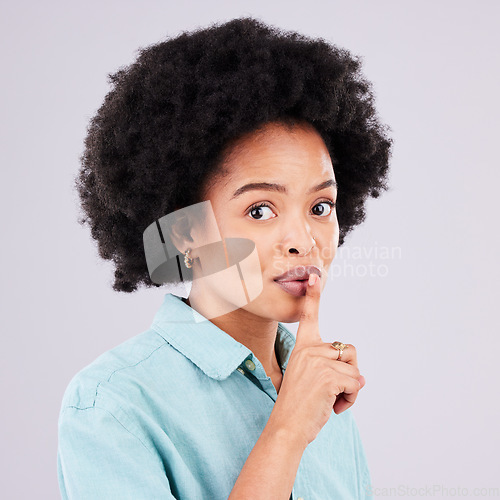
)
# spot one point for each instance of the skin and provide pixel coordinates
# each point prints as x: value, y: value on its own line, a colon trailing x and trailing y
x: 283, y: 233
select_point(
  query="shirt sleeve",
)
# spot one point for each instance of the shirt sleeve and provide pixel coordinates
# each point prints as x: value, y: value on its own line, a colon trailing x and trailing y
x: 99, y: 458
x: 363, y: 472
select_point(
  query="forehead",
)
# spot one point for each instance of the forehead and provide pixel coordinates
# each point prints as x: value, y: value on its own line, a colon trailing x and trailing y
x: 280, y: 153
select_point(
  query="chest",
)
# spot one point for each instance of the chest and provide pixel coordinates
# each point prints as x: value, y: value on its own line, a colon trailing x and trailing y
x: 277, y: 379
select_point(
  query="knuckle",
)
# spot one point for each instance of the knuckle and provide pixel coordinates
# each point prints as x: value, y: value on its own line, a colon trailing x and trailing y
x: 356, y: 386
x: 317, y: 362
x: 306, y: 350
x: 351, y: 384
x: 331, y: 385
x: 333, y: 390
x: 300, y: 350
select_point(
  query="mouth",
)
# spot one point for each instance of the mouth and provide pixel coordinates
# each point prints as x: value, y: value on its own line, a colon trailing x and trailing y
x: 299, y: 273
x: 294, y: 281
x: 297, y: 288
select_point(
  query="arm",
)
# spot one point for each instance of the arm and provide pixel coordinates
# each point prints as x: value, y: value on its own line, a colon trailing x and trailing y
x: 99, y: 458
x: 271, y: 467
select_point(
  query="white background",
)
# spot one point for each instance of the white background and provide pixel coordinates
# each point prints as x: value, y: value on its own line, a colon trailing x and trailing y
x: 425, y: 322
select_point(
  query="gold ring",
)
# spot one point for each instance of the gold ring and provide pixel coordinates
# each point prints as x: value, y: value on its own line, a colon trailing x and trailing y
x: 340, y: 347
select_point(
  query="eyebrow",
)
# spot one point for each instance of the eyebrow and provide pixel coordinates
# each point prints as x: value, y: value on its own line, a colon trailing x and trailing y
x: 269, y: 186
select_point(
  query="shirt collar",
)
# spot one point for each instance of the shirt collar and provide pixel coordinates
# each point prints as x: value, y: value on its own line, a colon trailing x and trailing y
x: 213, y: 350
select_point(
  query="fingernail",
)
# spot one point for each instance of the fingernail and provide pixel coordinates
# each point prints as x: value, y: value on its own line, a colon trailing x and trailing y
x: 312, y: 279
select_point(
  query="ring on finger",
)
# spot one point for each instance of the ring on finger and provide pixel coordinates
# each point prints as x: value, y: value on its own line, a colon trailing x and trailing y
x: 340, y: 347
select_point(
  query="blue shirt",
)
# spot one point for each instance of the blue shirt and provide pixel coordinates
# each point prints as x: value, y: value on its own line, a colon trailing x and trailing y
x: 174, y: 412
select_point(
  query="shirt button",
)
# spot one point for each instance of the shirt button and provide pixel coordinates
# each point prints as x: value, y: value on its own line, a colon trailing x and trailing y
x: 300, y: 498
x: 250, y: 364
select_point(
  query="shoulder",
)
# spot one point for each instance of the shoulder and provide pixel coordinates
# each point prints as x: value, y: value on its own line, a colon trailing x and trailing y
x: 113, y: 374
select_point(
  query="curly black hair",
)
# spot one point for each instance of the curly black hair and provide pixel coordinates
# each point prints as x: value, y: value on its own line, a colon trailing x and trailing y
x: 163, y: 130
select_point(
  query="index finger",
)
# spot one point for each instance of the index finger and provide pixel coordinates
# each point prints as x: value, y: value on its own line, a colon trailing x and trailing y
x: 308, y: 331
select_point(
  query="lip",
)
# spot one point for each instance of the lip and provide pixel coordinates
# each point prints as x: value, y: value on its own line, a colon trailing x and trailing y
x: 295, y: 288
x: 298, y: 273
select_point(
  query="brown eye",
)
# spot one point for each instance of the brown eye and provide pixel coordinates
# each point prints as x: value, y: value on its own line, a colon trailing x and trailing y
x: 328, y: 211
x: 257, y: 211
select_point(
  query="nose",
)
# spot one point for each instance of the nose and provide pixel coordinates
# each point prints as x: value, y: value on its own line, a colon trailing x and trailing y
x: 299, y: 241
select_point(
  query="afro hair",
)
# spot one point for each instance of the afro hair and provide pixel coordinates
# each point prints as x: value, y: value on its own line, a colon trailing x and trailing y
x: 161, y: 134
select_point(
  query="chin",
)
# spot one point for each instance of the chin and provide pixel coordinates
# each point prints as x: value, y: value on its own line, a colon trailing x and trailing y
x: 294, y: 318
x: 286, y: 309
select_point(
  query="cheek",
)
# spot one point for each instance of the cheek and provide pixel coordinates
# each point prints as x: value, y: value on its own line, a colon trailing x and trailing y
x: 264, y: 247
x: 257, y: 259
x: 329, y: 248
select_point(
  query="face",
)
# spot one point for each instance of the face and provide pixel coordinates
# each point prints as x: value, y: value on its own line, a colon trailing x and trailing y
x: 281, y: 222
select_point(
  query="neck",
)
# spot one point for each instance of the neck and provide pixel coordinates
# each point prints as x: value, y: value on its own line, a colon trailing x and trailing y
x: 254, y: 332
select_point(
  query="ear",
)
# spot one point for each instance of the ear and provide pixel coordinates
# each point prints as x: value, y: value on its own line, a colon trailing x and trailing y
x: 180, y: 232
x: 193, y: 227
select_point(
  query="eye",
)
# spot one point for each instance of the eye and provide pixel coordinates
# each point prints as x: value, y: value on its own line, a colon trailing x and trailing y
x: 256, y: 210
x: 330, y: 204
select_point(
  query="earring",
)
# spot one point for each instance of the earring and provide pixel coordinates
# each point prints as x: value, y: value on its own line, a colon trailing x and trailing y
x: 188, y: 261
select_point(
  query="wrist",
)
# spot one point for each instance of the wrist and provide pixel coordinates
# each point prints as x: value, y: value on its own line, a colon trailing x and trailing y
x: 283, y: 433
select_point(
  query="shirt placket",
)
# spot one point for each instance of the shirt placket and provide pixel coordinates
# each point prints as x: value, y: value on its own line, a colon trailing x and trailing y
x: 253, y: 370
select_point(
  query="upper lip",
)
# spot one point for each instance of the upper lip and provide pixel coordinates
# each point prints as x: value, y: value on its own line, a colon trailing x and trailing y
x: 298, y: 273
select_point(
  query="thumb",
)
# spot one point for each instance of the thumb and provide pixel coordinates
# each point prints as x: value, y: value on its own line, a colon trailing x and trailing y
x: 308, y: 331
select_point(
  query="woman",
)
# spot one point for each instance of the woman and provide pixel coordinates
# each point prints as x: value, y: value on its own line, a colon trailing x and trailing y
x: 249, y: 153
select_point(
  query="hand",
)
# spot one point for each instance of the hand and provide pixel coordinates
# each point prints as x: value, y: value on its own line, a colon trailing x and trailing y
x: 315, y: 381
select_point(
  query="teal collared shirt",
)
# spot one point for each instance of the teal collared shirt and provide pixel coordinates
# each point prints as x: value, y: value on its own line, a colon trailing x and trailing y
x: 174, y: 412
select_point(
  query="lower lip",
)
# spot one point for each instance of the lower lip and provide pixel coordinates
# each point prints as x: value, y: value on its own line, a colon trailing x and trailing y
x: 296, y: 288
